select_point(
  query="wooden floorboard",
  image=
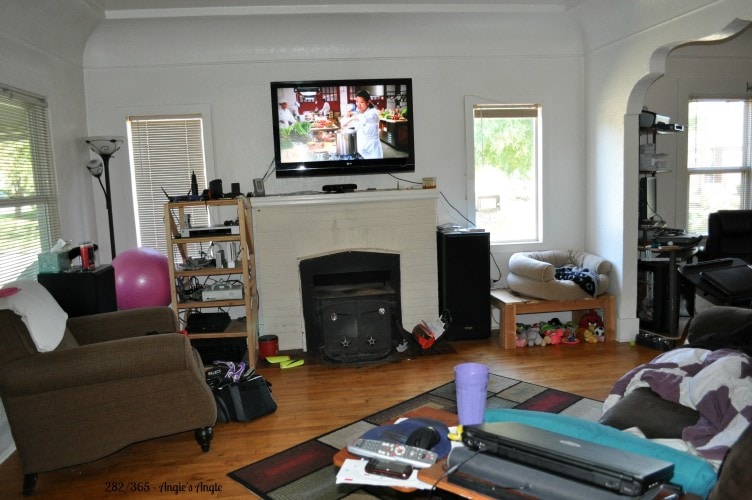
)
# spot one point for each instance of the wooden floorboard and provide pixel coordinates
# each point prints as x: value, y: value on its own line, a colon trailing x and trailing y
x: 314, y: 399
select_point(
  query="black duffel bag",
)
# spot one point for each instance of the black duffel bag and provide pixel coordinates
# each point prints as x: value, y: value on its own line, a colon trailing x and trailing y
x: 241, y: 395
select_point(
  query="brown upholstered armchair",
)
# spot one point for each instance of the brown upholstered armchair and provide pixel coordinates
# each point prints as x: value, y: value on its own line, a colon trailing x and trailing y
x: 108, y: 384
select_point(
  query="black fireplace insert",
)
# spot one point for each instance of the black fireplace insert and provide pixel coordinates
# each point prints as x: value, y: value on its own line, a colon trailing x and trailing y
x: 351, y: 304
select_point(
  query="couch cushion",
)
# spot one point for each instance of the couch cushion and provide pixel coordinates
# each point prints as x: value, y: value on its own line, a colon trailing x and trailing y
x: 718, y: 319
x: 39, y: 311
x: 533, y: 274
x: 653, y: 415
x: 734, y: 480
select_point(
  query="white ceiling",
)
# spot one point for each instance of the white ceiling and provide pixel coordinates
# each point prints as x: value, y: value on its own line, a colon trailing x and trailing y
x: 121, y: 9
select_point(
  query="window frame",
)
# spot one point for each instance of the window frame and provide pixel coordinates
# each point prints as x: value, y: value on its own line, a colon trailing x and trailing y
x: 745, y: 170
x: 177, y: 111
x: 22, y: 262
x: 541, y: 103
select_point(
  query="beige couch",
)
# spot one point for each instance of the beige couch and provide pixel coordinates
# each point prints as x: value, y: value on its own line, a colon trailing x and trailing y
x: 533, y: 274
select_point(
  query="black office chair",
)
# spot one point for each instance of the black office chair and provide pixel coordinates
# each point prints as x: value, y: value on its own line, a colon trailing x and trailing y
x: 729, y: 235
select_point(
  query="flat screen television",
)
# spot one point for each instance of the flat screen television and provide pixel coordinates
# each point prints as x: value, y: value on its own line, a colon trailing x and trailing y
x: 648, y: 199
x: 343, y: 127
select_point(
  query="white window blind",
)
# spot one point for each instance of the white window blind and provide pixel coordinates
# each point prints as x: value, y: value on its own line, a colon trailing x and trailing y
x: 719, y: 158
x: 29, y: 218
x: 165, y: 151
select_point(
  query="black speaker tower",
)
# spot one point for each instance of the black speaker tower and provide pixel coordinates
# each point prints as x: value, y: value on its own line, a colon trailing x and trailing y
x: 464, y: 283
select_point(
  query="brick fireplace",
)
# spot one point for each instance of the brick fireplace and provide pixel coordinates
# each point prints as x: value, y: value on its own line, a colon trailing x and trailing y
x: 289, y: 230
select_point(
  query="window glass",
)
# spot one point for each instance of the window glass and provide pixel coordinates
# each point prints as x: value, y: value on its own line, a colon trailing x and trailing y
x: 718, y: 158
x: 165, y: 152
x: 29, y: 218
x: 507, y: 171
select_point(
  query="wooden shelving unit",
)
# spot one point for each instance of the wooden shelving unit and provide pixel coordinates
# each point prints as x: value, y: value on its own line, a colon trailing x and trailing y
x: 245, y: 270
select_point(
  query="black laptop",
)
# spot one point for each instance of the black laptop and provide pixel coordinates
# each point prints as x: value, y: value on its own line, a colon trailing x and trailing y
x: 603, y: 466
x: 736, y: 281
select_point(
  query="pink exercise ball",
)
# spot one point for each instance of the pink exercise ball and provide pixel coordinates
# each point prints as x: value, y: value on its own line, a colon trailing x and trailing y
x: 142, y: 278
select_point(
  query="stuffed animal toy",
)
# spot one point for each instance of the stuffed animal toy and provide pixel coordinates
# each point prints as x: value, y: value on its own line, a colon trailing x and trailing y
x: 589, y: 334
x: 551, y: 333
x: 570, y: 333
x: 533, y: 336
x: 600, y: 333
x: 521, y: 340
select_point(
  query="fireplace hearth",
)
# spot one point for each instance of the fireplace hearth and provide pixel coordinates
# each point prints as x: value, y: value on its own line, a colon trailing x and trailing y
x: 351, y: 303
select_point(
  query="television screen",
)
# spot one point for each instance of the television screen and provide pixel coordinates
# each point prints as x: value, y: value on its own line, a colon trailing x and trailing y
x: 343, y: 127
x: 648, y: 209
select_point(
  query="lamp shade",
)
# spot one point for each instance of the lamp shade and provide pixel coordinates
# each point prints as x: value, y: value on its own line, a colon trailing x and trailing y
x: 104, y: 145
x: 95, y: 167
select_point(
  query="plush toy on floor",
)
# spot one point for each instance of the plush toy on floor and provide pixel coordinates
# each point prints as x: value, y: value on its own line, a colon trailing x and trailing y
x: 552, y: 333
x: 570, y: 333
x: 528, y: 335
x: 589, y: 335
x: 521, y: 340
x: 533, y: 335
x: 600, y: 333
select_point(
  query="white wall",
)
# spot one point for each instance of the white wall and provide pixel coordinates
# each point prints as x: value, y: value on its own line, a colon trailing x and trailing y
x: 41, y: 51
x: 593, y: 65
x: 625, y: 51
x: 226, y: 64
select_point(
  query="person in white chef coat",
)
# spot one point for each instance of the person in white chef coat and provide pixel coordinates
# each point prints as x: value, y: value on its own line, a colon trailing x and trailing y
x: 295, y: 108
x: 286, y: 118
x: 325, y: 109
x: 366, y: 124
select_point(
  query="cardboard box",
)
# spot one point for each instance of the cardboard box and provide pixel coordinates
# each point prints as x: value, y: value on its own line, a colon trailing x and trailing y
x: 53, y: 262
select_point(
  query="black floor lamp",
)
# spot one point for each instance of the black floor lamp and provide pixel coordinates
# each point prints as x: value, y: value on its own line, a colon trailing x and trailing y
x: 105, y: 147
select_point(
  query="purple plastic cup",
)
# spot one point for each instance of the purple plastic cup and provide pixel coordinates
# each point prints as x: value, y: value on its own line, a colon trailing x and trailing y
x: 471, y: 384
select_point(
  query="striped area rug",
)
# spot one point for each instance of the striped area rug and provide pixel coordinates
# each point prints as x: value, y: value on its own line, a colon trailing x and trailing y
x: 306, y: 470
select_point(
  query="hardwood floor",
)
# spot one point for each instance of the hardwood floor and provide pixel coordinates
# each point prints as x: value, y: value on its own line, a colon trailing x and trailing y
x: 313, y: 399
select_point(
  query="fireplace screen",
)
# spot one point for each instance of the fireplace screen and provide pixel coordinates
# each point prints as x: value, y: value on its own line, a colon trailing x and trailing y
x: 356, y: 321
x: 351, y: 303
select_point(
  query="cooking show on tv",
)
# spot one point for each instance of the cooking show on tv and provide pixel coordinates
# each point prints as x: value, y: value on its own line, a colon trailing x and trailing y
x: 343, y: 121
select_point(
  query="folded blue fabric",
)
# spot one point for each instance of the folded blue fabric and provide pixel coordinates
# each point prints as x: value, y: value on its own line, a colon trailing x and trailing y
x: 693, y: 473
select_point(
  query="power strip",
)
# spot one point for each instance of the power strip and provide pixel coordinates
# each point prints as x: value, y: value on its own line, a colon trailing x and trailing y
x: 655, y: 341
x: 223, y: 291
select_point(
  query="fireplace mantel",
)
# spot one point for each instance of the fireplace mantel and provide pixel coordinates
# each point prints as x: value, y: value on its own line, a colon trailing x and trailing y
x: 288, y: 229
x: 339, y: 198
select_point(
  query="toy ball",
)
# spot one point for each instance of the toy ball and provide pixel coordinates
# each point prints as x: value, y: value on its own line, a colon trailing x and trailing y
x: 142, y: 278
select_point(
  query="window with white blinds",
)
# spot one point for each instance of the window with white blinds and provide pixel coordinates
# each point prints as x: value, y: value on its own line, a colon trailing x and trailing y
x: 29, y: 218
x: 719, y: 158
x: 165, y: 151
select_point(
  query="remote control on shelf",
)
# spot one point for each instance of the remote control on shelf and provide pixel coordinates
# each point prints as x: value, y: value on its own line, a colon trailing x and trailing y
x: 385, y: 450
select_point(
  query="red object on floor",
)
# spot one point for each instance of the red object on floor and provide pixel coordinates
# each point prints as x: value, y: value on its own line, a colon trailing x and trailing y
x: 268, y: 346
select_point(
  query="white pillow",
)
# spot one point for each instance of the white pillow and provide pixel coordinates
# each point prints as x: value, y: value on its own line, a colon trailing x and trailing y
x: 41, y: 313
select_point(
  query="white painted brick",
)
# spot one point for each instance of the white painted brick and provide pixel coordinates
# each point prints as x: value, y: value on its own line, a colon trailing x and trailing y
x: 286, y: 234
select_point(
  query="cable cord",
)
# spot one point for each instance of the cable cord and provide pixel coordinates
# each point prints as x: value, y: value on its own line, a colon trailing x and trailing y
x: 456, y: 467
x: 269, y: 170
x: 450, y: 470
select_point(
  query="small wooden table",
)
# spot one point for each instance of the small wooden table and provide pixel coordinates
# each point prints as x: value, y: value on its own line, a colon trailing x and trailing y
x: 510, y: 305
x: 435, y: 473
x: 431, y: 474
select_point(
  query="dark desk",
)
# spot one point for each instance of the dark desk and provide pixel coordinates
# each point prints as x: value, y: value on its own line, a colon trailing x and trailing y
x: 691, y: 274
x: 669, y: 256
x: 81, y: 293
